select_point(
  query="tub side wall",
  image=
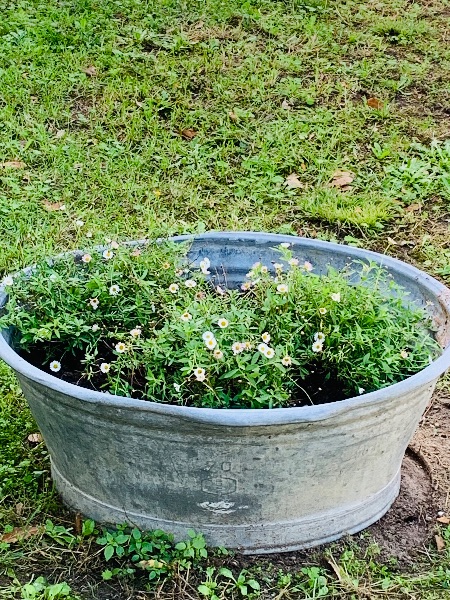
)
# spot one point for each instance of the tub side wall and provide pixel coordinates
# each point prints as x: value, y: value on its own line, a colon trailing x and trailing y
x: 235, y: 484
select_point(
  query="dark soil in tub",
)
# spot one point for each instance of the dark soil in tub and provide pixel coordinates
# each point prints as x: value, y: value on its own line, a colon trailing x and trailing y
x: 319, y: 387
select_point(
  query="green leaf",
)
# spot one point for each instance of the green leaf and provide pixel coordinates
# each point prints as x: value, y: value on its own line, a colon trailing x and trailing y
x: 226, y: 573
x: 88, y: 528
x: 108, y: 552
x: 107, y: 575
x: 180, y: 546
x: 122, y: 539
x: 203, y: 589
x: 253, y: 584
x: 198, y: 542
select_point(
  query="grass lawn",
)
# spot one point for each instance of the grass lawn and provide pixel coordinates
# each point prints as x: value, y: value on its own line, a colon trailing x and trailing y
x: 320, y: 118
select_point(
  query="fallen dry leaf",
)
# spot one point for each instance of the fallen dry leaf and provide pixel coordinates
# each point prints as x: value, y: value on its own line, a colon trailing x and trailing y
x: 18, y: 534
x: 341, y: 179
x: 18, y: 509
x: 233, y: 116
x: 35, y: 438
x: 292, y: 181
x: 413, y: 207
x: 78, y: 524
x: 189, y: 134
x: 374, y: 103
x: 59, y: 134
x: 444, y: 520
x: 440, y: 544
x: 13, y: 164
x: 285, y: 104
x: 52, y: 206
x: 391, y: 241
x: 91, y: 71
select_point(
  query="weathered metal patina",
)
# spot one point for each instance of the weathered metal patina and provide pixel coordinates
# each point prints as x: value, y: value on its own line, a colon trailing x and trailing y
x: 256, y: 479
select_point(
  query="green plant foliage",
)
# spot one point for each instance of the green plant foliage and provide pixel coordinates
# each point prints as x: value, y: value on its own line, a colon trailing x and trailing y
x: 146, y: 322
x: 154, y: 552
x: 39, y: 589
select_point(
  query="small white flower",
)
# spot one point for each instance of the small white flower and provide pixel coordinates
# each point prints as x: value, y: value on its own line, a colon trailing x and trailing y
x: 94, y: 303
x: 317, y: 346
x: 8, y: 280
x: 361, y: 390
x: 173, y: 288
x: 211, y: 343
x: 218, y: 353
x: 282, y: 288
x: 186, y: 316
x: 319, y: 336
x: 278, y: 266
x: 166, y: 265
x: 200, y: 374
x: 208, y: 335
x: 177, y: 387
x: 269, y: 353
x: 307, y: 266
x: 220, y: 290
x: 293, y: 262
x: 95, y: 327
x: 264, y: 269
x: 404, y: 354
x: 190, y: 283
x: 114, y: 245
x: 179, y: 273
x: 286, y: 361
x: 222, y: 323
x: 336, y: 297
x: 88, y: 234
x: 248, y: 345
x: 237, y: 347
x: 121, y: 347
x: 265, y: 337
x: 62, y: 207
x: 136, y: 332
x: 285, y: 244
x: 105, y: 367
x: 262, y: 348
x: 114, y: 290
x: 86, y: 258
x: 200, y: 296
x: 108, y: 254
x: 79, y: 223
x: 323, y: 311
x: 55, y: 366
x: 246, y: 286
x: 250, y: 275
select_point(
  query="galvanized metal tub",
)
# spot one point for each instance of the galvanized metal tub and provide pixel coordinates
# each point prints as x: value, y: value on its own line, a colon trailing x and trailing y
x: 259, y: 480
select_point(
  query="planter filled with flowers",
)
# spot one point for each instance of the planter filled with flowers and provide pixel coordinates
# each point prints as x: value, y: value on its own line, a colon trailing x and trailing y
x: 259, y: 388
